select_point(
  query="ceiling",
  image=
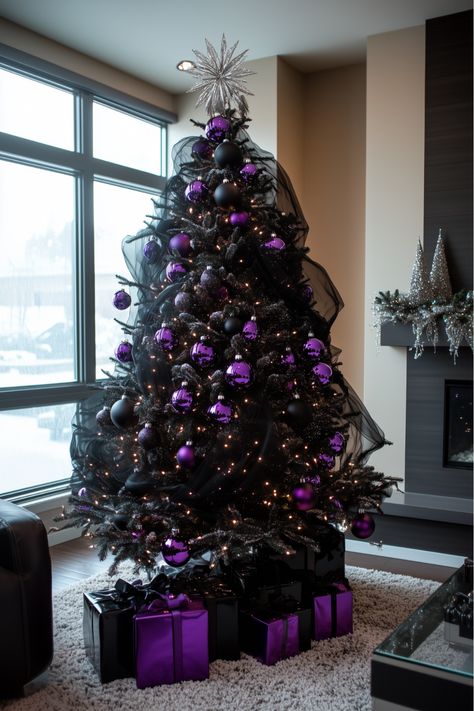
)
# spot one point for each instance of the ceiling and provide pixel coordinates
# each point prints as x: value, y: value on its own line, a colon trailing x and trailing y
x: 147, y: 38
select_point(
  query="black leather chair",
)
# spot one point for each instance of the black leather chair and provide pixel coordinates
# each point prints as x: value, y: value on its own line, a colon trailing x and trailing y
x: 26, y: 620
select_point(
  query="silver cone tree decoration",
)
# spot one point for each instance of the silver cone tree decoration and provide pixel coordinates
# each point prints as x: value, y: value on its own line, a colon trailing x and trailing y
x: 221, y: 78
x: 420, y: 285
x: 439, y: 275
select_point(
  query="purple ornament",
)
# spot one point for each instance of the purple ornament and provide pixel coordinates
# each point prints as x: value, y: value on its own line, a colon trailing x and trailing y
x: 165, y: 338
x: 209, y: 279
x: 326, y: 460
x: 314, y: 479
x: 288, y: 358
x: 175, y: 552
x: 196, y: 191
x: 362, y: 525
x: 323, y: 372
x: 275, y: 243
x: 202, y: 354
x: 239, y: 374
x: 336, y: 442
x: 248, y: 171
x: 202, y: 149
x: 82, y: 493
x: 148, y: 437
x: 222, y: 293
x: 175, y: 271
x: 221, y: 411
x: 122, y: 300
x: 123, y: 352
x: 239, y: 219
x: 183, y: 301
x: 216, y: 128
x: 250, y: 329
x: 303, y: 496
x: 182, y: 399
x: 307, y: 293
x: 313, y: 347
x: 185, y: 456
x: 181, y: 243
x: 103, y: 417
x: 151, y: 251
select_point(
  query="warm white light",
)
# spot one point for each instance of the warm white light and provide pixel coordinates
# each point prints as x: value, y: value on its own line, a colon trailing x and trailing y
x: 185, y: 65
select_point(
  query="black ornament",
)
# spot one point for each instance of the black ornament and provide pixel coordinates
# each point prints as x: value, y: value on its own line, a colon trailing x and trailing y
x: 120, y: 521
x: 148, y: 437
x: 103, y: 417
x: 122, y: 413
x: 228, y: 155
x: 227, y: 195
x: 300, y: 413
x: 138, y: 483
x: 233, y: 325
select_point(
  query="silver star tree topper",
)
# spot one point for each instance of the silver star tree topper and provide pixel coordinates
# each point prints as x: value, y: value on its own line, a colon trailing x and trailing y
x: 220, y: 78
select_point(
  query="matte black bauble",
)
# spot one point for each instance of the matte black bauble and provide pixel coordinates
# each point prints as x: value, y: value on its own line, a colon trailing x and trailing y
x: 233, y: 325
x: 227, y: 195
x: 300, y: 413
x: 228, y: 155
x: 122, y: 413
x: 138, y: 483
x: 120, y: 521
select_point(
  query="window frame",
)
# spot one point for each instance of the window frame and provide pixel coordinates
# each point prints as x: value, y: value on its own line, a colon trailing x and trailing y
x: 81, y: 164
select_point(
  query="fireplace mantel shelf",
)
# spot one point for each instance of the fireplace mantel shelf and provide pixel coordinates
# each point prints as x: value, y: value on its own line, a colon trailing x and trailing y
x: 430, y: 507
x: 400, y: 335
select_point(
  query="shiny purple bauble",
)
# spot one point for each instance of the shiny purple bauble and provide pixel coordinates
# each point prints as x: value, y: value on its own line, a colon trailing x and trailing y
x: 183, y: 301
x: 326, y: 460
x: 185, y: 456
x: 227, y: 195
x: 288, y: 358
x: 239, y: 219
x: 336, y: 442
x: 165, y: 338
x: 148, y: 437
x: 151, y: 251
x: 196, y: 191
x: 123, y: 352
x: 314, y: 348
x: 248, y: 171
x: 275, y: 243
x: 216, y: 128
x: 122, y: 413
x: 221, y: 412
x: 103, y: 417
x: 182, y: 399
x: 175, y: 271
x: 202, y: 354
x: 307, y: 293
x: 181, y: 243
x: 323, y: 372
x: 202, y: 149
x: 175, y: 553
x: 122, y: 300
x: 303, y: 496
x: 250, y: 330
x: 239, y: 374
x: 362, y: 525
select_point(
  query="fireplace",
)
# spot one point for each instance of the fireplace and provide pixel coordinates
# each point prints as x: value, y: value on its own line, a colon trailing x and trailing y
x: 457, y: 430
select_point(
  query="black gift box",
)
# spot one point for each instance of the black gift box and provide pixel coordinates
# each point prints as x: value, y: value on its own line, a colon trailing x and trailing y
x: 271, y: 633
x: 328, y: 562
x: 265, y: 580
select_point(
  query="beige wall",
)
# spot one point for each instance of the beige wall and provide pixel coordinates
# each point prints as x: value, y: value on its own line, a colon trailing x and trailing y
x: 333, y: 198
x: 22, y: 39
x: 290, y: 115
x: 394, y: 214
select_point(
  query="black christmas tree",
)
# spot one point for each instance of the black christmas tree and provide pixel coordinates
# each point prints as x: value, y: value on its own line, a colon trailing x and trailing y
x: 226, y: 425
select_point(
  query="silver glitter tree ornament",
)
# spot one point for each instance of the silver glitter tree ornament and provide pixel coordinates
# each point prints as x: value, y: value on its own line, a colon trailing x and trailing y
x: 420, y: 285
x: 439, y: 275
x: 220, y: 78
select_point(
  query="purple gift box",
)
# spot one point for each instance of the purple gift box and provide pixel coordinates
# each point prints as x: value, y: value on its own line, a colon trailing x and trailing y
x: 171, y: 641
x: 332, y: 611
x: 270, y: 638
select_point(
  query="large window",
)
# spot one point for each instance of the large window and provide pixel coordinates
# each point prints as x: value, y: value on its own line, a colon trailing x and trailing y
x: 79, y: 164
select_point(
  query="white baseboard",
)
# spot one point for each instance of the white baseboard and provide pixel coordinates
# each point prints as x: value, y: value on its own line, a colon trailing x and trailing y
x: 413, y: 554
x: 67, y: 534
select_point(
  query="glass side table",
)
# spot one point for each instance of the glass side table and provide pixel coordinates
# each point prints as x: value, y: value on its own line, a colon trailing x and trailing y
x: 416, y: 668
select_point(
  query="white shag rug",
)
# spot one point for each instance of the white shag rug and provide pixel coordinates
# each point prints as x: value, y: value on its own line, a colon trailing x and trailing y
x: 333, y: 676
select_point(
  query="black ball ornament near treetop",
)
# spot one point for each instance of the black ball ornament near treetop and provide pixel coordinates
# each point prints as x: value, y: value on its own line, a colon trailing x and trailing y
x: 228, y: 155
x: 227, y: 195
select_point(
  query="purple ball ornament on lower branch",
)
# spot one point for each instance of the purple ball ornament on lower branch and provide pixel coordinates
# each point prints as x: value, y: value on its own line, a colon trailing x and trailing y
x: 275, y: 244
x: 183, y: 301
x: 250, y: 329
x: 151, y: 251
x: 122, y: 300
x: 314, y: 347
x: 202, y: 353
x: 239, y: 219
x: 123, y: 352
x: 196, y: 191
x: 362, y: 525
x: 326, y: 460
x: 221, y: 411
x: 323, y: 373
x: 175, y: 271
x: 248, y: 171
x: 186, y: 456
x: 165, y: 338
x: 181, y: 243
x: 336, y: 442
x: 182, y: 398
x: 303, y: 496
x: 175, y: 552
x: 148, y: 437
x: 239, y: 373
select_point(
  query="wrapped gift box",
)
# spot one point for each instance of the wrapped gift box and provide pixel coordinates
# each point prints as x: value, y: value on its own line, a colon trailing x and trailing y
x: 458, y: 620
x: 265, y: 580
x: 171, y: 641
x: 332, y: 610
x: 270, y: 635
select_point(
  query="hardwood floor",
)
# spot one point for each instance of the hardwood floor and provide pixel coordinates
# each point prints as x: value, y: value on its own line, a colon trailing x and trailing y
x: 74, y: 561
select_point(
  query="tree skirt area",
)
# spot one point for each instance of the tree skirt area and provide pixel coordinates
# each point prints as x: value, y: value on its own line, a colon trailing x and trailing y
x: 333, y: 676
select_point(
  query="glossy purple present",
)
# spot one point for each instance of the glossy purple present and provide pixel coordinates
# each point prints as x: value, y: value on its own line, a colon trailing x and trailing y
x: 171, y: 641
x: 270, y: 638
x: 332, y: 611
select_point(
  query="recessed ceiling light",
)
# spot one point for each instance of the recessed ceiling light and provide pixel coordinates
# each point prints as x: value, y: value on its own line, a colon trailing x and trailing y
x: 185, y: 65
